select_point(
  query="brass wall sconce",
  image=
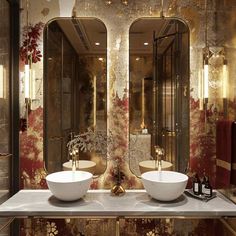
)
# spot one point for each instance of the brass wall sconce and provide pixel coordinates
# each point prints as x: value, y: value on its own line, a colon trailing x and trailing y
x: 219, y: 83
x: 29, y: 85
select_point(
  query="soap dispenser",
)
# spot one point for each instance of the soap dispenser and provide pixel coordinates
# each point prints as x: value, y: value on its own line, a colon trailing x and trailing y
x: 196, y: 185
x: 207, y: 189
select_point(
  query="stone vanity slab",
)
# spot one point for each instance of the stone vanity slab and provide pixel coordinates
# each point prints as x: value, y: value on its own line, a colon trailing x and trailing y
x: 99, y: 203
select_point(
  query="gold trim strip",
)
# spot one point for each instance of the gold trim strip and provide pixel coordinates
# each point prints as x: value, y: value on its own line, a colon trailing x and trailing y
x: 228, y: 226
x: 7, y: 223
x: 131, y: 217
x: 224, y: 164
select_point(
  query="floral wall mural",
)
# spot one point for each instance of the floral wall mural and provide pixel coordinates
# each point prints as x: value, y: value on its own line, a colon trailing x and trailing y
x: 118, y: 16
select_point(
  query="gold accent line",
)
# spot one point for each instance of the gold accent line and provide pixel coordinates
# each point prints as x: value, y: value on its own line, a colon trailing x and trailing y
x: 224, y: 164
x: 128, y: 217
x: 117, y: 226
x: 228, y: 226
x: 6, y: 224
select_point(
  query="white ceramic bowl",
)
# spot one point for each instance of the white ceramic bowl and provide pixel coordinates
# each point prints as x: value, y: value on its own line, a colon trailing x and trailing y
x: 164, y: 185
x: 149, y: 165
x: 83, y: 165
x: 69, y: 185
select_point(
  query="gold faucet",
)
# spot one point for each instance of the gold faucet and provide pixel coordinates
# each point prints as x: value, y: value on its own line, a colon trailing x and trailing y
x: 74, y: 153
x: 159, y: 153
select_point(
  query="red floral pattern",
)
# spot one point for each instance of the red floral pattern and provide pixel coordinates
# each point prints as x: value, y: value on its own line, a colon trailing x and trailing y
x: 29, y: 51
x: 31, y: 154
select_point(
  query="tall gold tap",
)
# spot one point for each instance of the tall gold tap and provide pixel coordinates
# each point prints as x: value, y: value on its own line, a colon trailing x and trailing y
x: 158, y: 158
x: 74, y: 154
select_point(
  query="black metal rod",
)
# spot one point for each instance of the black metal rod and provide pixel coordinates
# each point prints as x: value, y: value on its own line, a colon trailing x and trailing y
x: 14, y: 92
x: 14, y: 101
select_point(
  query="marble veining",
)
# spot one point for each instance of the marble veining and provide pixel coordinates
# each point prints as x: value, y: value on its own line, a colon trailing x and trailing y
x: 99, y: 203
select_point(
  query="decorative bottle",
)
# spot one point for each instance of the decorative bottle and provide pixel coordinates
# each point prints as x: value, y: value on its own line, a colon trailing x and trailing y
x: 207, y: 189
x: 196, y: 185
x: 204, y: 180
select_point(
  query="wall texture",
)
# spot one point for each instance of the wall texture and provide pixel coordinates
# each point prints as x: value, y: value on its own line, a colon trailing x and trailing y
x: 118, y: 16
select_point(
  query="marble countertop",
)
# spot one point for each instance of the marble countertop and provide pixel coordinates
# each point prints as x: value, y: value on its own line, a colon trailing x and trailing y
x: 99, y: 203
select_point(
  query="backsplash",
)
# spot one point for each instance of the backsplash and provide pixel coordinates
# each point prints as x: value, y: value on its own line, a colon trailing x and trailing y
x: 202, y: 123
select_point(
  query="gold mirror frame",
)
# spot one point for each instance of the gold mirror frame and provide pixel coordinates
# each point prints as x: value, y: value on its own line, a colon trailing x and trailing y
x: 178, y: 131
x: 82, y: 73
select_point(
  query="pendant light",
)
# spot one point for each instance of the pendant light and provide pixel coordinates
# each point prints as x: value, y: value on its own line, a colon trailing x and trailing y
x: 206, y: 56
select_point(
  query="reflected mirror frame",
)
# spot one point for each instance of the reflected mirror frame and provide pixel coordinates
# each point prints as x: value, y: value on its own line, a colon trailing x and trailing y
x: 185, y: 164
x: 45, y: 156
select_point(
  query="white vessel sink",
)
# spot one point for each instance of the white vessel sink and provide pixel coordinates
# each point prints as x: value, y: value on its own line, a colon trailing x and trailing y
x: 83, y: 165
x: 164, y: 185
x: 69, y: 185
x: 149, y: 165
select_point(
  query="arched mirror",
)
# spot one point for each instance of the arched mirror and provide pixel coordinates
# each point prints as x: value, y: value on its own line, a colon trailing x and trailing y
x: 74, y: 92
x: 159, y: 94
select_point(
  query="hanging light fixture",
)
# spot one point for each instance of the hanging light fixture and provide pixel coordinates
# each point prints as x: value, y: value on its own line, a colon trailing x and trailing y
x: 200, y: 89
x: 206, y: 79
x: 27, y: 63
x: 225, y: 80
x: 206, y: 57
x: 27, y: 72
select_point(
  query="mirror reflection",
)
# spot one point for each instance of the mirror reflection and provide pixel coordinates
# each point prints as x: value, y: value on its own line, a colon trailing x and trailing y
x: 159, y: 95
x: 75, y: 91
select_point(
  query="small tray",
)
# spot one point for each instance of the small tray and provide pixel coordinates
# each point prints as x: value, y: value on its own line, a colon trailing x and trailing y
x: 200, y: 196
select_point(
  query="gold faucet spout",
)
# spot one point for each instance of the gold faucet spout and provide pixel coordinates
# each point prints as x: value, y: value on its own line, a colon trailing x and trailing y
x: 158, y: 158
x: 74, y: 155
